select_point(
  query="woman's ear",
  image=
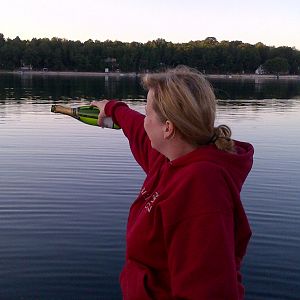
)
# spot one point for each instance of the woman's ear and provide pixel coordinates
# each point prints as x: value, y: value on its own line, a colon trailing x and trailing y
x: 169, y: 130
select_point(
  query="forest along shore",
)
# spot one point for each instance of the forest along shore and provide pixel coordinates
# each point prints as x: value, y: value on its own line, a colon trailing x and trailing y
x: 134, y: 74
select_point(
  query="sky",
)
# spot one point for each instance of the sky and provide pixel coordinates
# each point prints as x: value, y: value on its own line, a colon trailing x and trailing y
x: 272, y: 22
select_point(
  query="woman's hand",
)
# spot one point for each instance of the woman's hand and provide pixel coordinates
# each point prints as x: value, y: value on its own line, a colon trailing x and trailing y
x: 101, y: 105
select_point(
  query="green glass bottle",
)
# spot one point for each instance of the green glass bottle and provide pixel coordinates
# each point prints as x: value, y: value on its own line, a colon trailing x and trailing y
x: 86, y: 114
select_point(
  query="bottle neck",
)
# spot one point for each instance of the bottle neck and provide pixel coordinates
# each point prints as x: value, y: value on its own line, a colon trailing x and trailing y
x: 64, y: 110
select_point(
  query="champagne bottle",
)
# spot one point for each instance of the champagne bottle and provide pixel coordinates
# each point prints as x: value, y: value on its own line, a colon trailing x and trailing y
x: 86, y: 114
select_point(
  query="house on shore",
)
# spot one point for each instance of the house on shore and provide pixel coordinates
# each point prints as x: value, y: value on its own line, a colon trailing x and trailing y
x: 25, y: 68
x: 260, y: 70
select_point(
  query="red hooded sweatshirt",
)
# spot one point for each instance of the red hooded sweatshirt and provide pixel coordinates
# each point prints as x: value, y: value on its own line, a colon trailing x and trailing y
x: 187, y: 231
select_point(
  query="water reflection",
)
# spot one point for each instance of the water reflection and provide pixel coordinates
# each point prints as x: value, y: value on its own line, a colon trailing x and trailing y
x: 26, y: 87
x: 261, y: 89
x: 63, y: 88
x: 256, y: 105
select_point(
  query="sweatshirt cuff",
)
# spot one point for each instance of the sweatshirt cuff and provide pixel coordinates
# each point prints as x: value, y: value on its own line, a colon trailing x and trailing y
x: 111, y: 107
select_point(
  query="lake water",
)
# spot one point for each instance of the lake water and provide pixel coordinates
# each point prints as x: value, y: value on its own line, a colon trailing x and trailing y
x: 66, y: 187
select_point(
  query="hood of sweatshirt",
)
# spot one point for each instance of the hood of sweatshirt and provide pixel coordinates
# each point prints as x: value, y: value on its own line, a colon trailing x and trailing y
x: 237, y: 164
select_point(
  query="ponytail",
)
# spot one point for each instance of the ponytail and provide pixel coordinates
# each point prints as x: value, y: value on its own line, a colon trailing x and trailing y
x: 222, y: 138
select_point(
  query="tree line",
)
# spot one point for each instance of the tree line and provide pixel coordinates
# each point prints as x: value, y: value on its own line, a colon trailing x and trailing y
x: 209, y: 56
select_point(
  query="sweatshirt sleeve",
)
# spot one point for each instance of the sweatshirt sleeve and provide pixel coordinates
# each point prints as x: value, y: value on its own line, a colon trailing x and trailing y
x: 132, y: 124
x: 200, y: 245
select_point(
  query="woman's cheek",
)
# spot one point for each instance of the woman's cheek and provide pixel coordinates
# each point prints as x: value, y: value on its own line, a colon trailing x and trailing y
x: 146, y: 123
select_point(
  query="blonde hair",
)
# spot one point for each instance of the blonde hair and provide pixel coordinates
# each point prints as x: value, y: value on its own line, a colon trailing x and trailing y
x: 183, y: 96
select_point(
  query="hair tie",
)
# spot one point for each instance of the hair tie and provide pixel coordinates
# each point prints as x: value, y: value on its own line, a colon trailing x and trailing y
x: 213, y: 139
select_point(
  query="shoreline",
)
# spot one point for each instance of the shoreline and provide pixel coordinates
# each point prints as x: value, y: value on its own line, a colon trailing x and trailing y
x: 255, y: 77
x: 71, y: 73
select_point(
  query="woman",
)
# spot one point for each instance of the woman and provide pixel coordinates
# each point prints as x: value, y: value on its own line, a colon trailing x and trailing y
x: 187, y: 230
